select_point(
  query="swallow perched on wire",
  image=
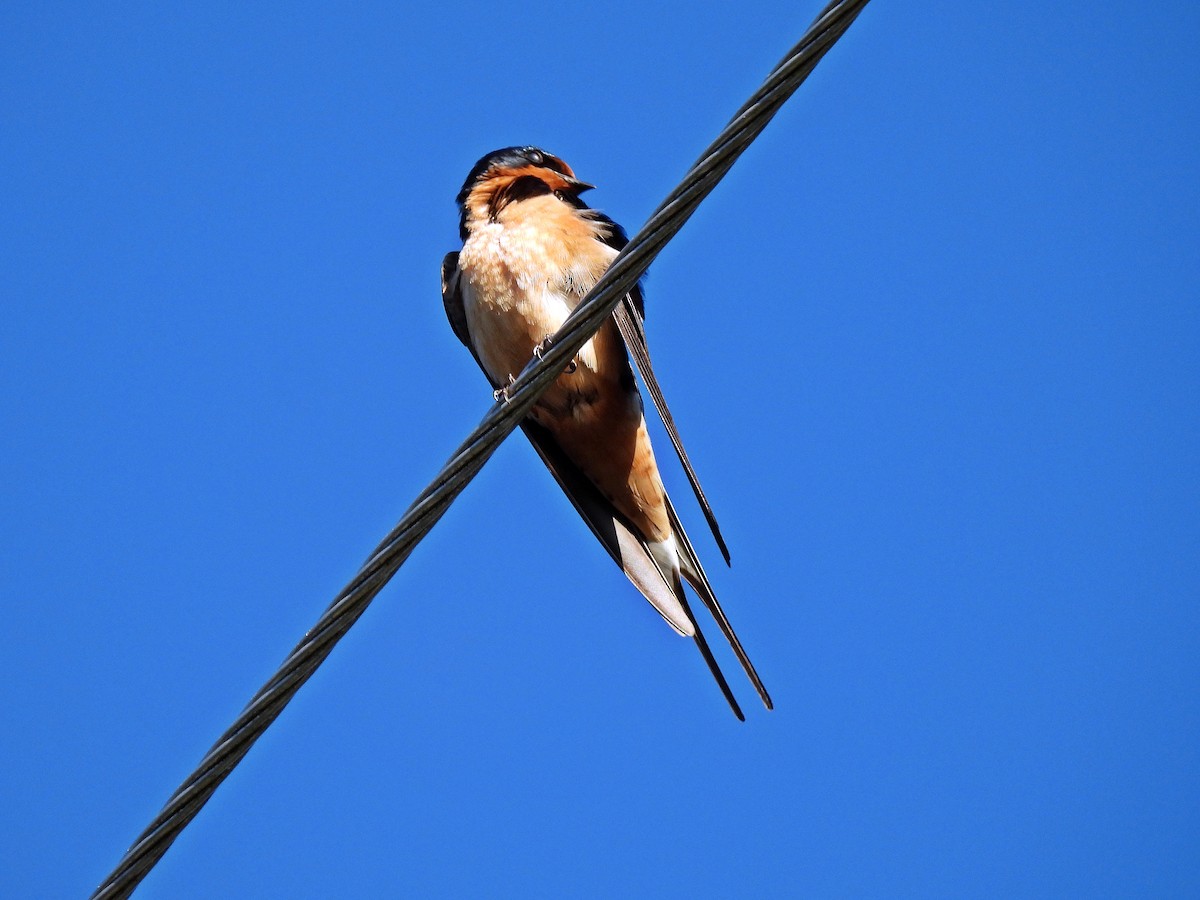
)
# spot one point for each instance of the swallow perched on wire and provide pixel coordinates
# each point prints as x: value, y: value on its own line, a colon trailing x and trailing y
x: 532, y: 249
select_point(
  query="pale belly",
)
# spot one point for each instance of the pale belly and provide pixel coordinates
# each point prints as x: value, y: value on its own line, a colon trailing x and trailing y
x: 507, y: 328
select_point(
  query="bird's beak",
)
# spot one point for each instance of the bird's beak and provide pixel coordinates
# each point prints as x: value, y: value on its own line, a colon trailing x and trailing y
x: 576, y: 185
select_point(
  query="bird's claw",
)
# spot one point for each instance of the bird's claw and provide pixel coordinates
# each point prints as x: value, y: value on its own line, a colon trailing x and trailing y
x: 539, y: 350
x: 500, y: 395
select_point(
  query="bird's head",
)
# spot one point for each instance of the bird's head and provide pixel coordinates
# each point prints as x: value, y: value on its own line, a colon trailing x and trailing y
x: 513, y: 174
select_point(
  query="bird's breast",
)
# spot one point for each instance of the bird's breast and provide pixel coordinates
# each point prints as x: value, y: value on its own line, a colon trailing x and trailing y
x: 520, y: 282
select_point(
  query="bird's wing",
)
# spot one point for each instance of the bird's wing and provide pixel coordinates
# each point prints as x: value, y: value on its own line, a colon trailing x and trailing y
x: 623, y: 544
x: 629, y: 323
x: 452, y: 300
x: 630, y: 314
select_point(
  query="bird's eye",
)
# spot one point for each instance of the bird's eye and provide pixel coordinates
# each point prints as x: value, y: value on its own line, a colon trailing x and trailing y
x: 535, y: 157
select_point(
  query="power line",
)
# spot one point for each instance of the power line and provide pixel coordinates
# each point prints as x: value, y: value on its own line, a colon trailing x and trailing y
x: 469, y: 458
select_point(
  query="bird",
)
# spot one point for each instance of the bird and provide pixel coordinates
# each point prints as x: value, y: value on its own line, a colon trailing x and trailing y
x: 532, y: 249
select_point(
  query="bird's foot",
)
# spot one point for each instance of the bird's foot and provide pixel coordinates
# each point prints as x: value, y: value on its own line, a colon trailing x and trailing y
x: 539, y: 351
x: 500, y: 395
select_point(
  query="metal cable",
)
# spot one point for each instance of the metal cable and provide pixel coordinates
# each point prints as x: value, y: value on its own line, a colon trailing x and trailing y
x: 469, y: 458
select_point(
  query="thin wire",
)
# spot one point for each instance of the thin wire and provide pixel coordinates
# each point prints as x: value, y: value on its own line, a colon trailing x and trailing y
x: 469, y: 458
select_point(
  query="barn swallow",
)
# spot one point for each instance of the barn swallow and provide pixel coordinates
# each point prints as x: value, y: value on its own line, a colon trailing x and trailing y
x: 532, y: 249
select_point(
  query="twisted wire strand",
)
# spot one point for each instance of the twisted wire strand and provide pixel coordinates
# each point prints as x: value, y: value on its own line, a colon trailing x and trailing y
x: 470, y: 456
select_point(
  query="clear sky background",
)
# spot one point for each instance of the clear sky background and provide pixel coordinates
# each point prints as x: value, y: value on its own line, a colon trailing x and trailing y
x: 934, y: 347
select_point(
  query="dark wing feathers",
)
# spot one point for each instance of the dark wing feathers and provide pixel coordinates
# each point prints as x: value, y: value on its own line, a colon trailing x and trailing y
x: 452, y: 300
x: 630, y: 315
x: 629, y: 322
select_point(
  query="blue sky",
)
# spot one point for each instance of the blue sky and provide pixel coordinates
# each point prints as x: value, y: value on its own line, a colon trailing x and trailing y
x: 934, y: 347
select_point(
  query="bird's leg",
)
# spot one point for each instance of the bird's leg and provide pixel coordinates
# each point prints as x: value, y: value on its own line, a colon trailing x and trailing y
x: 500, y: 395
x: 539, y: 351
